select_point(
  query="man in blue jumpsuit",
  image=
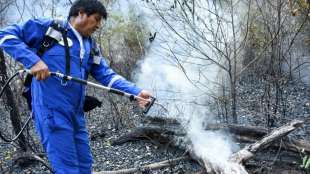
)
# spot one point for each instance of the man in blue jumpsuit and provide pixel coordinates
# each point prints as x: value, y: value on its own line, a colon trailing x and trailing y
x: 58, y: 105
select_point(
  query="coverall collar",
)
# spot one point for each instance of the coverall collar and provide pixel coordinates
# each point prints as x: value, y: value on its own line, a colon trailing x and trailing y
x: 80, y: 39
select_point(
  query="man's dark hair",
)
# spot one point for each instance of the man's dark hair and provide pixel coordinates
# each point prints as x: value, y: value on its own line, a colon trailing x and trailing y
x: 89, y: 7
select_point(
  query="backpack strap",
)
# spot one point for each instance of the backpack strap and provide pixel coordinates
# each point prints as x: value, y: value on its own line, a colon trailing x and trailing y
x: 53, y: 34
x: 95, y: 52
x: 67, y: 50
x: 56, y: 32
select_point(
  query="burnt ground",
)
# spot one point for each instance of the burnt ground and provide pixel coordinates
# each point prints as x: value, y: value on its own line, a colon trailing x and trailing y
x: 102, y: 125
x: 108, y: 157
x: 296, y: 98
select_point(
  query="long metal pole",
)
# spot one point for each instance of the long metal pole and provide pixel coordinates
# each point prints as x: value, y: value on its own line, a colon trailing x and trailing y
x: 98, y: 86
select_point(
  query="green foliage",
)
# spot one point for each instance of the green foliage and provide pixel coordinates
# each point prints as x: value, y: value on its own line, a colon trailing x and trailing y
x: 257, y: 36
x: 306, y: 162
x: 302, y: 4
x: 131, y: 29
x: 123, y: 41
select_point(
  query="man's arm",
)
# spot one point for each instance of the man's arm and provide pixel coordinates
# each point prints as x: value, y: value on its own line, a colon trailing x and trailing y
x: 19, y: 42
x: 105, y: 75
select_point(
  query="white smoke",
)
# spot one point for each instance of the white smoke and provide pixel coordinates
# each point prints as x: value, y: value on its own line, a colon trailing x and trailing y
x: 181, y: 84
x: 213, y: 146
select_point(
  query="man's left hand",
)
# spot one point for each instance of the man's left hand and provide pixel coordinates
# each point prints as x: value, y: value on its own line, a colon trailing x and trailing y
x: 146, y: 95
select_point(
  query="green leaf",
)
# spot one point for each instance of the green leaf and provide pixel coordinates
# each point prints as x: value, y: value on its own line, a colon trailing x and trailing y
x: 307, y: 164
x: 304, y: 161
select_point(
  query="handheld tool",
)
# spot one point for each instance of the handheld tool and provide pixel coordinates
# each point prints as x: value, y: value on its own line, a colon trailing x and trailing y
x: 132, y: 97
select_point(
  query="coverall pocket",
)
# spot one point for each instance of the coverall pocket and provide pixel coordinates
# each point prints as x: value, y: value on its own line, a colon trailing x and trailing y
x: 50, y: 121
x: 57, y: 120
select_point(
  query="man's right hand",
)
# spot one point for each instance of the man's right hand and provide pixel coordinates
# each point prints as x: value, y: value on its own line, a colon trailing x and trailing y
x: 40, y: 70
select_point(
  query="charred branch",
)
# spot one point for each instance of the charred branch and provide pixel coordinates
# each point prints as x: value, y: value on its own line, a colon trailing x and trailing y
x: 146, y: 168
x: 249, y: 151
x: 27, y: 158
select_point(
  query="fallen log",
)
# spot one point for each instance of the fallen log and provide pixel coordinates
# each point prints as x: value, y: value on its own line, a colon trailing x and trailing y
x: 146, y: 168
x: 173, y: 124
x: 240, y: 130
x: 249, y: 151
x: 161, y: 135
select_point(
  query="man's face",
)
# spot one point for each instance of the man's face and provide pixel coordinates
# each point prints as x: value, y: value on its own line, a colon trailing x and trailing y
x: 89, y: 24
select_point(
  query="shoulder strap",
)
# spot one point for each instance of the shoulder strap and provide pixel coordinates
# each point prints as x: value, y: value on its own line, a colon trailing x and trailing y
x: 56, y: 32
x: 52, y: 35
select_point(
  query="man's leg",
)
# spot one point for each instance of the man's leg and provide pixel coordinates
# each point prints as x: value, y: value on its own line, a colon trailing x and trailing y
x: 83, y: 146
x: 57, y: 136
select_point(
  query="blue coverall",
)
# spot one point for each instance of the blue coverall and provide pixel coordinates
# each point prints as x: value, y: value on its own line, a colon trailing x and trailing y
x: 58, y: 108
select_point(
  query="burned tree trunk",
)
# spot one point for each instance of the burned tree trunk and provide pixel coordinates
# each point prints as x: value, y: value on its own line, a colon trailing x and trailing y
x: 249, y: 151
x: 10, y: 101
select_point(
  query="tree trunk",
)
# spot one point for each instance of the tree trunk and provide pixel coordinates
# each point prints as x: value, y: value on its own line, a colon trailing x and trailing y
x: 234, y: 101
x: 10, y: 101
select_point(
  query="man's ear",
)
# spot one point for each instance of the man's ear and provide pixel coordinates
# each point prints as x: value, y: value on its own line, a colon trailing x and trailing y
x: 81, y: 12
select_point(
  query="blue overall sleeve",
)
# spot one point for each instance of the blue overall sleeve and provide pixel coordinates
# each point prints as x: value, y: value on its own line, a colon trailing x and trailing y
x: 104, y: 74
x: 21, y: 41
